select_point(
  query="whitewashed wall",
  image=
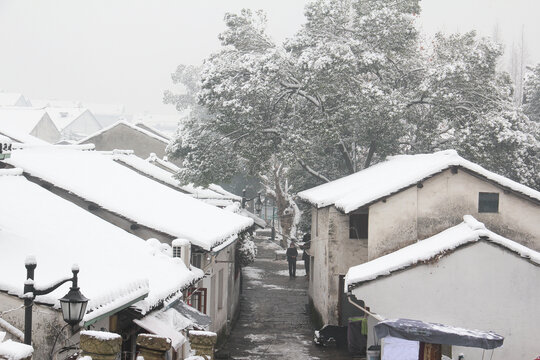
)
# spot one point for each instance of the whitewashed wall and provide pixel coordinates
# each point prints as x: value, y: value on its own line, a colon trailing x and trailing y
x: 46, y: 130
x: 480, y: 286
x: 418, y: 213
x: 333, y: 254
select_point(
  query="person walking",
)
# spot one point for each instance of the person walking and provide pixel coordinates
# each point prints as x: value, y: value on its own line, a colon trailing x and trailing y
x: 292, y: 254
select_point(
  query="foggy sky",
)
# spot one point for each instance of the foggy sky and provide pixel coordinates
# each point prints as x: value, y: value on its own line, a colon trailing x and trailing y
x: 123, y: 51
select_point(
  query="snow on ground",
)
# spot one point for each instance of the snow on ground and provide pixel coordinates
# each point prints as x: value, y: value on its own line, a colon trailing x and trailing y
x: 259, y: 337
x: 299, y: 272
x: 269, y: 245
x: 253, y: 272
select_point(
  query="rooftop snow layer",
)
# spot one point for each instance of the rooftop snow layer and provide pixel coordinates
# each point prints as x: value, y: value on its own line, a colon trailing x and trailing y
x: 396, y: 173
x: 21, y: 137
x: 13, y: 99
x: 20, y: 119
x: 96, y: 177
x: 128, y: 124
x: 64, y: 116
x: 470, y: 230
x: 165, y: 176
x: 116, y: 267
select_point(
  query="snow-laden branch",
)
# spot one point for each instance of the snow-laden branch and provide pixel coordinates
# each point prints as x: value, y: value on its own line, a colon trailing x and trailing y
x: 315, y: 173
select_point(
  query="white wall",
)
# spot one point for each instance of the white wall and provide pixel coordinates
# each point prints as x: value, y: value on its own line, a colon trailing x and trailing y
x: 46, y: 130
x: 418, y: 213
x: 221, y: 317
x: 85, y: 124
x: 333, y: 254
x: 480, y: 286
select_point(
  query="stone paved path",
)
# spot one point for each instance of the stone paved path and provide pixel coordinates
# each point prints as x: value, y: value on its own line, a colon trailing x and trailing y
x: 274, y: 321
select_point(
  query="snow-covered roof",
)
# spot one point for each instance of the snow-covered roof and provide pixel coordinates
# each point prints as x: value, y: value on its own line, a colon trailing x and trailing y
x: 166, y: 123
x: 13, y: 99
x: 20, y: 119
x: 43, y: 103
x: 395, y: 174
x: 469, y: 231
x: 155, y: 172
x: 97, y: 178
x: 224, y: 192
x: 21, y: 137
x: 174, y: 318
x: 152, y: 130
x: 128, y: 124
x: 64, y: 116
x: 212, y: 192
x: 116, y: 268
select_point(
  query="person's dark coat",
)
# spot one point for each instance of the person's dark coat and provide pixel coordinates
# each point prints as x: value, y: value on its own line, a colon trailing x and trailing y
x: 292, y: 254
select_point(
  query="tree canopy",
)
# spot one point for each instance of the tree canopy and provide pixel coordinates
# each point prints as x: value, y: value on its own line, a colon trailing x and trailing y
x: 355, y: 84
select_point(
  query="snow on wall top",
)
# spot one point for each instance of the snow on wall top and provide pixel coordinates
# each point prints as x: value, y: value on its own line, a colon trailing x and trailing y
x: 396, y: 173
x: 470, y: 230
x: 116, y: 267
x: 96, y: 177
x: 128, y: 124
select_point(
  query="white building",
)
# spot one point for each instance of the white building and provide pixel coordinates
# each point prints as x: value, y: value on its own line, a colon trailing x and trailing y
x: 396, y: 203
x: 147, y: 209
x: 28, y: 121
x: 465, y: 276
x: 124, y: 135
x: 74, y: 123
x: 119, y: 272
x: 13, y: 99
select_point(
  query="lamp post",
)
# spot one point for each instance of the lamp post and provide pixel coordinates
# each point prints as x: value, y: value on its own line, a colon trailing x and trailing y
x: 73, y: 304
x: 273, y: 217
x: 258, y: 203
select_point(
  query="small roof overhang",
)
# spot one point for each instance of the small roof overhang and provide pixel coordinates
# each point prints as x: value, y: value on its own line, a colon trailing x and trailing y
x: 417, y: 330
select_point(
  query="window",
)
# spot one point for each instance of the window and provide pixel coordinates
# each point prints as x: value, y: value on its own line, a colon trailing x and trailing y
x: 488, y: 202
x: 358, y: 226
x: 196, y: 260
x: 197, y: 299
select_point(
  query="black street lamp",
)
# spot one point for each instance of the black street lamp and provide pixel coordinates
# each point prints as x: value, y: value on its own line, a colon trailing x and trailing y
x: 258, y: 203
x: 73, y: 304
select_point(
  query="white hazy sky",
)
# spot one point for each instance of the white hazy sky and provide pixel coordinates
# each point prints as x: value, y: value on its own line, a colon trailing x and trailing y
x: 123, y: 51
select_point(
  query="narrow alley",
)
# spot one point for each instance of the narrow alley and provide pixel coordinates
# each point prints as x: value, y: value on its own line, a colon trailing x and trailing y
x: 274, y: 322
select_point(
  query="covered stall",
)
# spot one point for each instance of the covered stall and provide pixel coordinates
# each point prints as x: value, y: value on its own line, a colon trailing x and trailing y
x: 405, y: 339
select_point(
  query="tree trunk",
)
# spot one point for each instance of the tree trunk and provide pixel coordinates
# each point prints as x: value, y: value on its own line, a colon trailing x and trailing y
x: 284, y: 210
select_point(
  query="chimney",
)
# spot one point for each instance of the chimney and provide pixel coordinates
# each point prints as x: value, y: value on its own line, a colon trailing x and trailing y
x: 182, y: 249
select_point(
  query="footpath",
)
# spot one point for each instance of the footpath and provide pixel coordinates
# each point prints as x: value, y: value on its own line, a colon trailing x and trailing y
x: 274, y: 321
